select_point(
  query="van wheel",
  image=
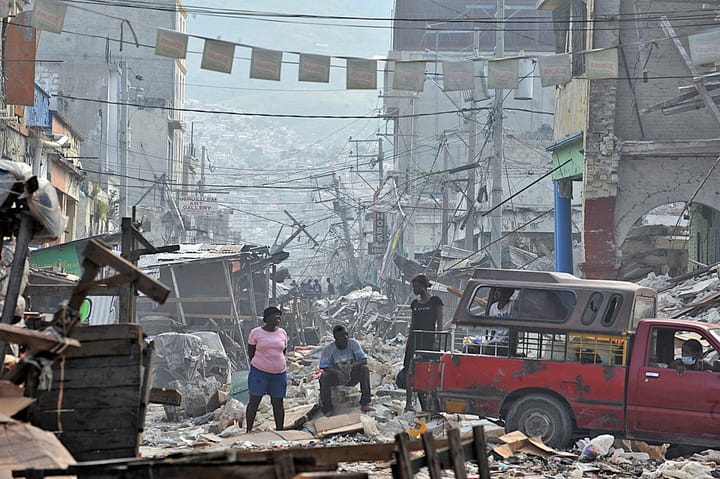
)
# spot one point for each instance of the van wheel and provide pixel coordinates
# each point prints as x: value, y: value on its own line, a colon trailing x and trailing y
x: 543, y: 416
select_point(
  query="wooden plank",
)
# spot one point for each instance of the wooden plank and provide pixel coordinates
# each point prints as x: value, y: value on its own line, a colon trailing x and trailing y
x: 334, y: 455
x: 332, y: 475
x: 324, y: 424
x: 480, y: 449
x: 65, y: 291
x: 431, y: 457
x: 297, y: 416
x: 186, y: 471
x: 457, y: 458
x: 403, y: 469
x: 113, y: 363
x: 170, y: 397
x: 117, y: 438
x: 87, y: 419
x: 284, y: 466
x: 107, y: 332
x: 697, y: 78
x: 92, y: 398
x: 104, y: 455
x: 113, y: 347
x: 153, y: 289
x: 36, y: 340
x: 75, y: 378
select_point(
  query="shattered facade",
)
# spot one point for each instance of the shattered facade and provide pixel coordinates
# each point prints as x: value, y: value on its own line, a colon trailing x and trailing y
x: 637, y: 154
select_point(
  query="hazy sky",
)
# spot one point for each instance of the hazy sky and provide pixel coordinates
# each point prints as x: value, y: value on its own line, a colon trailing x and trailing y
x: 306, y: 35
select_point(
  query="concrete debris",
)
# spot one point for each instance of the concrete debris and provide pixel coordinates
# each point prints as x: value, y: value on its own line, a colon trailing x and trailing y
x: 697, y: 297
x: 601, y: 456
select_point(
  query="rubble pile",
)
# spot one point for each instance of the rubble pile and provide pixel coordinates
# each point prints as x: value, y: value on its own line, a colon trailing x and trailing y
x: 365, y: 313
x: 693, y: 296
x: 303, y: 392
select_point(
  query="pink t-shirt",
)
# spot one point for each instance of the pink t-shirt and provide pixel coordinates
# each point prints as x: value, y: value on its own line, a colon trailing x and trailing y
x: 269, y: 347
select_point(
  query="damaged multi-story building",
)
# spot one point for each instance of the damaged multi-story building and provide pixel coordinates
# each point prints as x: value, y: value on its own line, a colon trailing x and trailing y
x: 649, y: 137
x: 443, y: 146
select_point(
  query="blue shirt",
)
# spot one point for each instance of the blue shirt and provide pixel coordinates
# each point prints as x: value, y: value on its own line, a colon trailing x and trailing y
x: 333, y: 357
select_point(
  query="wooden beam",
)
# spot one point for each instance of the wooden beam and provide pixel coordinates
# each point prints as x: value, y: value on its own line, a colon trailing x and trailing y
x: 35, y: 340
x: 65, y: 291
x: 698, y: 80
x: 709, y: 147
x: 147, y: 285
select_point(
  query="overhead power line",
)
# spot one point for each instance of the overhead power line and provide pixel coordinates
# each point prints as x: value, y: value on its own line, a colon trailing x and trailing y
x: 291, y: 115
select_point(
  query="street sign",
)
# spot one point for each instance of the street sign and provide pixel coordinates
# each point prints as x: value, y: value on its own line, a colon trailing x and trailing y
x: 198, y: 204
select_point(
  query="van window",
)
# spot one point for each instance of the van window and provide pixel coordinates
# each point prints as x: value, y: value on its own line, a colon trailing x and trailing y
x: 480, y: 302
x: 544, y: 305
x: 611, y: 311
x: 592, y: 309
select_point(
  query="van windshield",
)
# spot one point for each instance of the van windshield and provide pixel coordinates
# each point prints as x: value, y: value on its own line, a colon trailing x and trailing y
x: 644, y: 308
x: 533, y: 304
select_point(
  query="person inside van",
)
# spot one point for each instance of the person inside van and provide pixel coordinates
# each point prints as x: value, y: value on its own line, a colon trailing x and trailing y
x: 501, y: 307
x: 692, y: 358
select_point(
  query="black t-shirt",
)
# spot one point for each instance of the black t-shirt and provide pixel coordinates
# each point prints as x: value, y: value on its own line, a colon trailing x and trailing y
x: 424, y: 318
x: 424, y: 315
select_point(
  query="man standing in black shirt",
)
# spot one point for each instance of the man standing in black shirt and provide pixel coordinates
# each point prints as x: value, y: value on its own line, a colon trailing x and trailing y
x: 425, y: 321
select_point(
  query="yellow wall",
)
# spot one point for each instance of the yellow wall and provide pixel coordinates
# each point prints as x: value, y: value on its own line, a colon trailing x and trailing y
x: 571, y: 103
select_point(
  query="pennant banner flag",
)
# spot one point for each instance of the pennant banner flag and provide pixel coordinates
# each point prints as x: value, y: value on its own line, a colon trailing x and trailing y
x: 5, y: 6
x: 218, y: 56
x: 409, y: 76
x: 315, y: 68
x: 601, y: 64
x: 20, y: 47
x: 480, y: 88
x: 555, y: 69
x: 361, y: 74
x: 48, y: 15
x: 170, y: 43
x: 265, y: 64
x: 503, y: 74
x: 705, y: 47
x: 458, y: 75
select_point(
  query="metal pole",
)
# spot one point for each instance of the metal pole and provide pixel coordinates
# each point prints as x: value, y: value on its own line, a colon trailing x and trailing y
x: 346, y: 232
x: 497, y: 191
x: 123, y: 140
x: 445, y: 215
x: 471, y: 125
x: 381, y: 157
x: 563, y: 222
x: 16, y: 273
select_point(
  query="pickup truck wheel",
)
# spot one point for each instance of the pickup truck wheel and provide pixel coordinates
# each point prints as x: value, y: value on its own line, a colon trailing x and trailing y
x: 540, y: 415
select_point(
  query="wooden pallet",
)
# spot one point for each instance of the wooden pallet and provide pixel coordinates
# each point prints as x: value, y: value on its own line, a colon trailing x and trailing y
x: 96, y: 406
x: 437, y: 458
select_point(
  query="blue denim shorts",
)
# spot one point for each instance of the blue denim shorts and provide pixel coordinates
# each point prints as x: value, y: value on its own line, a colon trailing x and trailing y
x: 261, y: 383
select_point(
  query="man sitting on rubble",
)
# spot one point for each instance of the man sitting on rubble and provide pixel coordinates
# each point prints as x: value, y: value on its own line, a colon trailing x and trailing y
x: 344, y: 363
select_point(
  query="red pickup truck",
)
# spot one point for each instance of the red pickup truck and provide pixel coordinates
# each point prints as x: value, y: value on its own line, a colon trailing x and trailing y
x: 574, y: 357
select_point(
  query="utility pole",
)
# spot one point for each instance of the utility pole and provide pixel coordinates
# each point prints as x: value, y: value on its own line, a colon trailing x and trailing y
x: 123, y: 140
x: 445, y: 215
x: 380, y: 159
x: 471, y: 126
x: 202, y: 172
x: 496, y: 193
x: 346, y: 231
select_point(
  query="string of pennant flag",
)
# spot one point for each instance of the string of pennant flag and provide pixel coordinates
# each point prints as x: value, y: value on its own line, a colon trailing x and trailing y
x: 361, y: 74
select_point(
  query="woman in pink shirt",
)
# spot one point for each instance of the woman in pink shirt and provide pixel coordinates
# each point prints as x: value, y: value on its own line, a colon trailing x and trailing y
x: 267, y: 346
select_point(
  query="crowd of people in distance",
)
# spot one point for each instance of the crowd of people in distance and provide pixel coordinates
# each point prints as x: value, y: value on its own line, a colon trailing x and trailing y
x: 312, y: 289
